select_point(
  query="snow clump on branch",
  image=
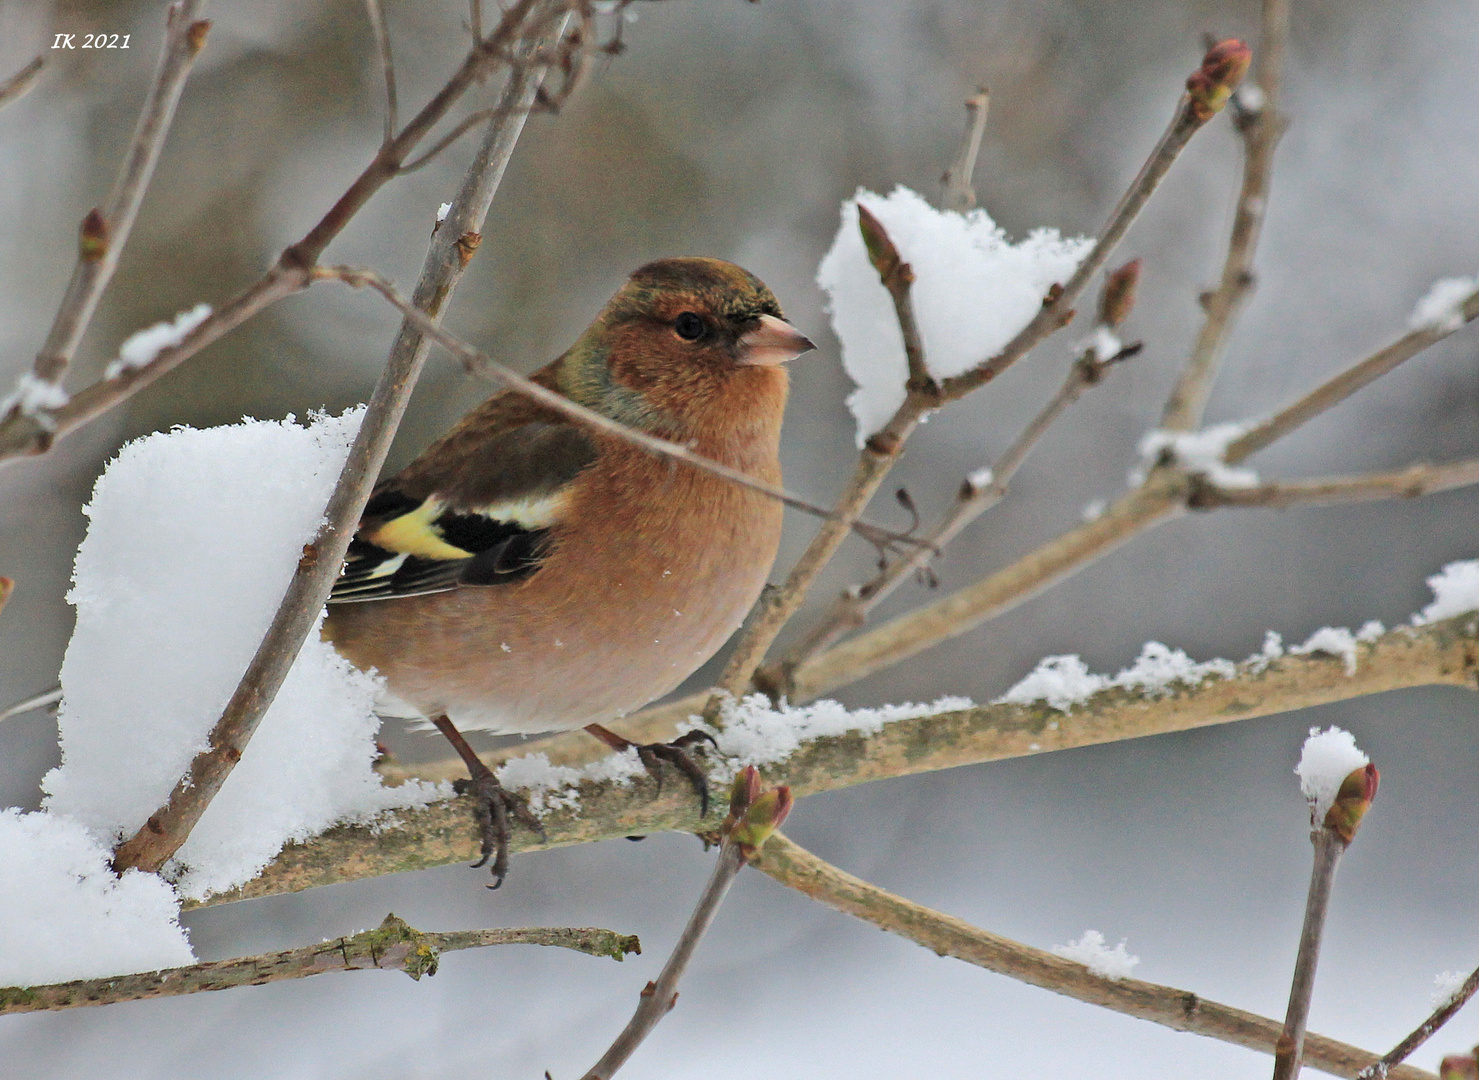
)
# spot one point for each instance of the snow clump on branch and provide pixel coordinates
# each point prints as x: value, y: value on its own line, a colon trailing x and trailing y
x: 1328, y: 757
x: 973, y: 291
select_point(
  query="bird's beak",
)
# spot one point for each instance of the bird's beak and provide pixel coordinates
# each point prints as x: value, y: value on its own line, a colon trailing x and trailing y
x: 774, y: 341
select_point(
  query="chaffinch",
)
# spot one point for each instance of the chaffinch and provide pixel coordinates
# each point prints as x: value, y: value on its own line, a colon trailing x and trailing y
x: 528, y: 574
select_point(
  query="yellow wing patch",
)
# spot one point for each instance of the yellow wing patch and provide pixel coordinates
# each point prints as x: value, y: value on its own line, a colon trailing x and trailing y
x: 414, y: 534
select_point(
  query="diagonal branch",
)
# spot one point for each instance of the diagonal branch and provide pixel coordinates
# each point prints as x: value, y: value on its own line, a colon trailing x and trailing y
x: 451, y: 247
x: 797, y: 868
x: 392, y: 946
x: 36, y: 430
x: 484, y: 365
x: 1258, y: 119
x: 20, y: 84
x: 105, y: 229
x: 1444, y: 653
x: 1378, y: 1070
x: 883, y: 448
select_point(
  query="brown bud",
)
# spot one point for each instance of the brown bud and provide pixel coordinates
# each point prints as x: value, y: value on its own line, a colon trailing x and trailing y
x: 1117, y: 299
x: 1352, y: 801
x: 197, y: 34
x: 1459, y: 1067
x: 92, y: 241
x: 882, y: 254
x: 1212, y: 85
x: 744, y: 791
x: 7, y: 586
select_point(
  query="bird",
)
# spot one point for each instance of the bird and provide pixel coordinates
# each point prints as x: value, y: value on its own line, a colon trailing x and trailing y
x: 527, y: 573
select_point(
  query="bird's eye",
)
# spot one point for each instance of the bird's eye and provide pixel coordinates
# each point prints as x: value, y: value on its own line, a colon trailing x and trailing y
x: 690, y: 327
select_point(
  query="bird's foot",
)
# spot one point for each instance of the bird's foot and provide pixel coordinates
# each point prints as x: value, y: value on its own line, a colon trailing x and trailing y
x: 493, y: 805
x: 675, y: 753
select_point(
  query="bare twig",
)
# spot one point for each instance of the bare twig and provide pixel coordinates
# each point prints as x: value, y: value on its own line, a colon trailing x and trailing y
x: 659, y: 996
x: 375, y: 9
x: 1261, y: 124
x: 753, y: 818
x: 882, y: 449
x: 1411, y: 482
x: 1384, y: 1067
x: 484, y: 365
x: 393, y: 946
x: 35, y: 701
x: 797, y: 868
x: 978, y: 493
x: 451, y: 246
x: 35, y: 431
x: 1444, y: 653
x: 959, y: 195
x: 19, y: 84
x: 1329, y: 847
x: 1334, y: 391
x: 105, y: 230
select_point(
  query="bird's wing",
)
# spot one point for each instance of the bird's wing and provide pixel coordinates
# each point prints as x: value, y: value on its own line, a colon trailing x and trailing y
x: 475, y: 509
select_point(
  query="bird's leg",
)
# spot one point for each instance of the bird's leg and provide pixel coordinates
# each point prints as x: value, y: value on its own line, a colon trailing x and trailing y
x: 675, y: 753
x: 492, y: 802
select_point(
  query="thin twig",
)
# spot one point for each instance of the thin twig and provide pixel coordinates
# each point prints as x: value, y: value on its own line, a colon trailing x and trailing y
x: 1384, y: 1067
x: 797, y: 868
x: 1440, y: 654
x: 482, y: 364
x: 376, y: 11
x: 658, y: 997
x: 1408, y: 483
x: 882, y: 449
x: 106, y: 229
x: 32, y: 433
x: 959, y: 195
x: 19, y: 84
x: 1332, y: 392
x: 1329, y: 846
x: 392, y: 946
x: 35, y: 701
x: 1261, y: 127
x: 977, y: 494
x: 451, y: 247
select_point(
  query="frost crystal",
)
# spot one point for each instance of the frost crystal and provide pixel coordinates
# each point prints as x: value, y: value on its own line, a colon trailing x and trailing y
x: 1113, y: 964
x: 1446, y: 987
x: 1328, y: 757
x: 973, y: 290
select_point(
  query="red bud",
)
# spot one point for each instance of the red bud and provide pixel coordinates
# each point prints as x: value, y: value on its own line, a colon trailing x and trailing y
x: 1352, y: 801
x: 1212, y: 85
x: 1117, y: 299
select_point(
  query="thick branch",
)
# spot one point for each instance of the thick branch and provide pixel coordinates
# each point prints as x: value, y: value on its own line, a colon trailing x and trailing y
x: 105, y: 230
x: 392, y: 946
x: 797, y: 868
x: 1444, y: 653
x: 1408, y: 483
x: 1261, y: 128
x: 451, y: 246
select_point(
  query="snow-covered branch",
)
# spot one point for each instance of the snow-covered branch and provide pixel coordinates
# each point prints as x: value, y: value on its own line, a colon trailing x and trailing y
x: 823, y: 747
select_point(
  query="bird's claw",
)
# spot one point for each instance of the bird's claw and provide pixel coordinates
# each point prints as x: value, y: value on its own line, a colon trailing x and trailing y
x: 675, y: 753
x: 493, y: 807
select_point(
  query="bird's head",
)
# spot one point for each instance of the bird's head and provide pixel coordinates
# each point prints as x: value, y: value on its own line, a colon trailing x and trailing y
x: 682, y: 335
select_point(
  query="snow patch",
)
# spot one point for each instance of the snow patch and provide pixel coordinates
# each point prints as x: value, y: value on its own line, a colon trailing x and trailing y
x: 1446, y: 987
x: 1333, y: 641
x: 64, y: 915
x: 1455, y: 592
x: 1442, y: 306
x: 172, y: 599
x: 1201, y: 452
x: 1328, y: 757
x: 1061, y: 682
x: 973, y: 290
x: 32, y: 395
x: 1113, y: 964
x: 142, y: 347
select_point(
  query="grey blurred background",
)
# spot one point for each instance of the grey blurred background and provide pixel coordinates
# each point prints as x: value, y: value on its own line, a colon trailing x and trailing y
x: 735, y: 130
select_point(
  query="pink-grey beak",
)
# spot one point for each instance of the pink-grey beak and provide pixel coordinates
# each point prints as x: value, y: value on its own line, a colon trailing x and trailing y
x: 774, y: 341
